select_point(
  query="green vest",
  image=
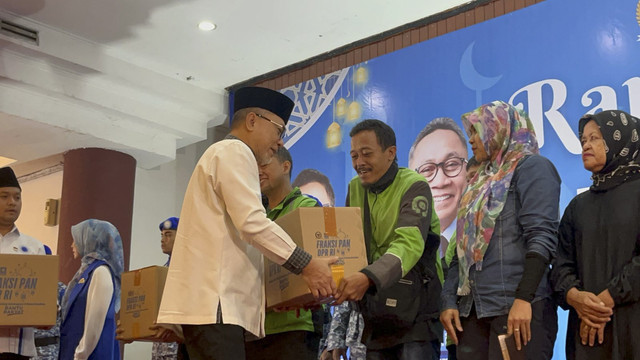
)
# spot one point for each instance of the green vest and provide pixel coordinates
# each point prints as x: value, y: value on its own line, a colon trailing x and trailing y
x: 275, y: 323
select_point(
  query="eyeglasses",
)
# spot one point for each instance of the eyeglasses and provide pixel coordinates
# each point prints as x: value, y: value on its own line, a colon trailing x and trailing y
x: 451, y: 168
x: 281, y: 128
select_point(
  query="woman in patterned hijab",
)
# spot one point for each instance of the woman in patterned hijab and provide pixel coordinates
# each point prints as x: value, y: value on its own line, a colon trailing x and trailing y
x: 506, y: 237
x: 506, y: 136
x: 93, y: 295
x: 597, y: 269
x: 621, y: 145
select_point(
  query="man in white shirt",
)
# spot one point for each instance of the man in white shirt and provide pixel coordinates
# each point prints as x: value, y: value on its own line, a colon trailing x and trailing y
x: 15, y: 342
x: 214, y: 287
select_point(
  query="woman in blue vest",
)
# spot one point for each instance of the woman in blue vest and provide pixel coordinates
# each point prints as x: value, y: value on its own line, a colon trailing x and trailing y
x: 92, y: 298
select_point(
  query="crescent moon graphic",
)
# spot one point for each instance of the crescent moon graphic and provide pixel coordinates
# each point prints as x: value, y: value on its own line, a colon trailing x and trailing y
x: 471, y: 78
x: 638, y: 13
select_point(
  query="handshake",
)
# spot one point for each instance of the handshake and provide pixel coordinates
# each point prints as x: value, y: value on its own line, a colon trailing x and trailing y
x: 317, y: 275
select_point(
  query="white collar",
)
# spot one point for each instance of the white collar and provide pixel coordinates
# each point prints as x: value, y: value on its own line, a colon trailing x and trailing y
x: 14, y: 229
x: 449, y: 230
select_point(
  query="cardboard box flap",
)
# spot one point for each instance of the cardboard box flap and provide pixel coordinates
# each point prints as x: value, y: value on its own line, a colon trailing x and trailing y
x: 290, y: 223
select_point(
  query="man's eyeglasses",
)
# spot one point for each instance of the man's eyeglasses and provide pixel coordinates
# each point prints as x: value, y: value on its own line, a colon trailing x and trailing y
x: 281, y: 128
x: 451, y: 168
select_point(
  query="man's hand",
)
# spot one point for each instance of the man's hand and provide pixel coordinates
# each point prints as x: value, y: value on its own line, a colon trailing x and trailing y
x: 164, y: 334
x: 317, y: 275
x: 449, y: 318
x: 591, y: 309
x: 519, y: 322
x: 352, y: 288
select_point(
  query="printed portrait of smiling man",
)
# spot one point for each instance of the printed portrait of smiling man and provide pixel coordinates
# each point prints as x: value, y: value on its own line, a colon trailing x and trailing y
x: 439, y: 153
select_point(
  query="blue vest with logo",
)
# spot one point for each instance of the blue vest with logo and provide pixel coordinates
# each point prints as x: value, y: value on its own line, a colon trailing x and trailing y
x: 72, y: 327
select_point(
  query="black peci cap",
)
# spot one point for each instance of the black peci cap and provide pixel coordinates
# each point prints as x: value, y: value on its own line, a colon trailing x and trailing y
x: 263, y: 98
x: 8, y: 178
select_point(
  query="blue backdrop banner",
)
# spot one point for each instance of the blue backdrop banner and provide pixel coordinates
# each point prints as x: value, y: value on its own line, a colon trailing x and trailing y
x: 557, y: 60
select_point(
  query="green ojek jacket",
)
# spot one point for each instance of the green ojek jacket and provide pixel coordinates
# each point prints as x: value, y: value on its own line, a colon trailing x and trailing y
x: 404, y: 233
x: 274, y: 322
x: 399, y: 207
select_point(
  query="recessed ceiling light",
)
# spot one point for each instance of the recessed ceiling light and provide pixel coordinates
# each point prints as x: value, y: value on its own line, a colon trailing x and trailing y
x: 206, y: 26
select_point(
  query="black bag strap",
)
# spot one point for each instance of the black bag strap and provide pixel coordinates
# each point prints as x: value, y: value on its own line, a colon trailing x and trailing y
x: 368, y: 233
x: 421, y: 265
x: 368, y: 236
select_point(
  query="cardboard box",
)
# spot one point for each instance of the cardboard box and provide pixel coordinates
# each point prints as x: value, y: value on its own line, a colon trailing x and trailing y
x: 141, y: 293
x: 323, y: 232
x: 28, y: 290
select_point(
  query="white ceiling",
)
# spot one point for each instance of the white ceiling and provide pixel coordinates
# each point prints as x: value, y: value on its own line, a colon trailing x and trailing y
x: 140, y: 77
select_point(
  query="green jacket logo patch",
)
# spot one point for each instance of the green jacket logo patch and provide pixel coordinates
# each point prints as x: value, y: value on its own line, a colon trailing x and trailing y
x: 420, y: 205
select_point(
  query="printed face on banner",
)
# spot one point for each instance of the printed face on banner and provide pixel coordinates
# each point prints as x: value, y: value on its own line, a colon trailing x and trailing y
x: 315, y: 183
x: 444, y: 149
x: 318, y: 191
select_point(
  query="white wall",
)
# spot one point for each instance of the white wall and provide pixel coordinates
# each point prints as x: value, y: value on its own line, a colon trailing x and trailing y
x: 158, y: 195
x: 154, y: 200
x: 34, y: 195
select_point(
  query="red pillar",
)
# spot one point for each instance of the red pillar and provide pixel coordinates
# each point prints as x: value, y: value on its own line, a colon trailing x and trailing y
x: 96, y: 184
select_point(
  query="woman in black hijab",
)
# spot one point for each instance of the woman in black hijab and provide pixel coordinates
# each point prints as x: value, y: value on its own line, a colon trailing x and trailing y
x: 597, y: 270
